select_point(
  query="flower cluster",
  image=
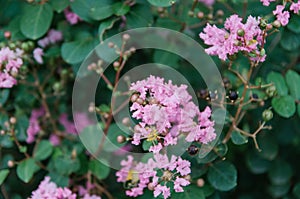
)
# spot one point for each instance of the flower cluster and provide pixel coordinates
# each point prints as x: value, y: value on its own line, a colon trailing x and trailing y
x: 34, y: 126
x: 52, y: 37
x: 166, y: 111
x: 10, y: 63
x: 49, y: 190
x: 71, y: 17
x: 207, y: 2
x: 235, y: 37
x: 159, y: 174
x: 282, y: 15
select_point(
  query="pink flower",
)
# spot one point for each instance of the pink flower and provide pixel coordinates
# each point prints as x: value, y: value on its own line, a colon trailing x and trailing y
x: 266, y: 2
x: 207, y: 2
x: 37, y: 54
x: 164, y: 190
x: 52, y: 37
x: 7, y: 81
x: 282, y: 16
x: 68, y: 125
x: 156, y: 148
x: 179, y: 182
x: 71, y: 17
x: 183, y: 167
x: 34, y: 126
x: 88, y: 196
x: 54, y: 139
x: 295, y: 7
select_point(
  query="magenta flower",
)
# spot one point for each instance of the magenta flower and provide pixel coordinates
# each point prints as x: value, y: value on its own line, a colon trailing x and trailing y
x: 282, y: 16
x: 71, y: 17
x: 52, y: 37
x: 295, y: 7
x: 37, y: 55
x: 34, y: 126
x: 207, y: 2
x: 266, y: 2
x: 68, y: 125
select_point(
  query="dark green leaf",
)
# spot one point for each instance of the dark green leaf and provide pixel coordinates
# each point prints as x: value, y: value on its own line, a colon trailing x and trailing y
x: 190, y: 192
x: 238, y: 139
x: 60, y: 180
x: 120, y: 9
x: 65, y: 165
x: 139, y: 16
x: 26, y: 169
x: 76, y: 51
x: 59, y: 5
x: 294, y: 24
x: 292, y: 79
x: 280, y: 173
x: 290, y: 41
x: 162, y: 3
x: 222, y: 176
x: 296, y: 190
x: 4, y: 94
x: 36, y: 20
x: 278, y: 191
x: 147, y: 145
x: 99, y: 169
x: 278, y: 80
x: 3, y: 174
x: 104, y: 26
x: 269, y: 147
x: 43, y: 150
x: 91, y: 138
x: 284, y: 106
x: 257, y: 164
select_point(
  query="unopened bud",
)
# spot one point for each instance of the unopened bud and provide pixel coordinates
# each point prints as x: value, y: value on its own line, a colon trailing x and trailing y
x: 121, y: 139
x: 111, y: 44
x: 116, y: 64
x: 151, y: 186
x: 126, y: 37
x: 134, y: 97
x: 7, y: 34
x: 126, y: 121
x: 12, y: 120
x: 220, y: 13
x: 10, y: 163
x: 200, y: 182
x: 267, y: 115
x: 277, y: 24
x: 241, y: 32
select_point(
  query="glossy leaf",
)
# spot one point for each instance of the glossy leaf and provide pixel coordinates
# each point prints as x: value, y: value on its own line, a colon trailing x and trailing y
x: 26, y: 169
x: 284, y: 106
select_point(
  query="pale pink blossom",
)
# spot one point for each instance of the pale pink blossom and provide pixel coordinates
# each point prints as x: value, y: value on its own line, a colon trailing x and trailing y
x: 34, y: 125
x: 295, y: 7
x: 266, y: 2
x: 52, y: 37
x: 281, y: 16
x: 37, y: 55
x: 71, y: 17
x: 207, y: 2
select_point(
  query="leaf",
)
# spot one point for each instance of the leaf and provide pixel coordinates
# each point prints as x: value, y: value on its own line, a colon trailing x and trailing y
x: 4, y: 94
x: 298, y: 108
x: 290, y: 41
x: 100, y: 170
x: 3, y: 174
x: 90, y: 10
x: 26, y: 169
x: 257, y: 164
x: 222, y: 176
x: 296, y: 190
x: 58, y: 179
x: 280, y: 172
x: 43, y: 150
x: 292, y: 79
x: 278, y: 80
x: 76, y: 51
x: 269, y: 147
x: 65, y: 165
x: 238, y: 139
x: 104, y: 26
x: 284, y: 106
x: 91, y: 138
x: 146, y: 145
x: 162, y: 3
x: 36, y: 20
x: 139, y: 16
x: 120, y: 9
x: 190, y: 192
x: 278, y: 191
x: 111, y: 142
x: 59, y: 5
x: 294, y: 24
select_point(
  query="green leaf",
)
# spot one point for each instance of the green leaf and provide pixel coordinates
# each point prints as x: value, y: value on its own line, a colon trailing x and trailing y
x: 43, y: 150
x: 26, y: 169
x: 100, y: 170
x: 278, y: 191
x: 91, y: 137
x: 257, y: 164
x: 278, y: 80
x: 58, y: 179
x: 238, y: 139
x: 284, y: 106
x: 4, y: 94
x: 280, y: 173
x: 120, y: 9
x: 36, y: 20
x: 90, y: 10
x: 111, y: 142
x: 292, y: 79
x: 147, y: 145
x: 269, y: 147
x: 162, y: 3
x: 222, y: 176
x: 290, y: 41
x: 139, y: 16
x: 3, y: 174
x: 294, y: 24
x: 298, y: 108
x: 59, y: 5
x: 65, y: 165
x: 296, y: 190
x: 76, y: 51
x: 104, y: 26
x: 190, y: 192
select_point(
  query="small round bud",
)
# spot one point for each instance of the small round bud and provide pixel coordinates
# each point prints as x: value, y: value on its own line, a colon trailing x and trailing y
x: 210, y: 16
x: 134, y: 97
x: 126, y: 37
x: 57, y: 86
x: 200, y: 15
x: 151, y: 186
x: 116, y: 64
x: 191, y: 13
x: 269, y: 27
x: 160, y: 9
x: 10, y: 163
x: 13, y: 120
x: 153, y: 100
x: 132, y: 49
x: 140, y: 101
x: 25, y: 46
x: 261, y: 103
x: 74, y: 154
x: 126, y: 121
x: 30, y: 44
x: 121, y: 139
x: 105, y: 115
x: 271, y: 91
x: 262, y: 52
x: 111, y: 44
x: 220, y: 21
x: 187, y: 177
x: 241, y: 32
x: 91, y: 108
x: 2, y: 132
x: 136, y: 128
x: 233, y: 95
x: 193, y: 150
x: 220, y: 13
x: 12, y: 46
x: 267, y: 115
x: 200, y: 182
x: 7, y: 34
x: 276, y: 24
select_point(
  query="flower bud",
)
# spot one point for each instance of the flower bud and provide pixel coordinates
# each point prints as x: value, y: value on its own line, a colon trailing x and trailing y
x: 25, y: 46
x: 126, y: 37
x: 7, y: 34
x: 126, y: 121
x: 191, y: 13
x: 200, y: 182
x: 276, y: 24
x: 140, y: 101
x: 116, y: 64
x: 121, y: 139
x: 210, y: 16
x: 151, y: 186
x: 10, y: 163
x: 241, y: 32
x: 2, y: 132
x: 220, y: 13
x: 13, y: 120
x: 267, y: 115
x: 134, y: 97
x: 57, y: 86
x: 200, y: 15
x: 271, y: 91
x: 111, y: 44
